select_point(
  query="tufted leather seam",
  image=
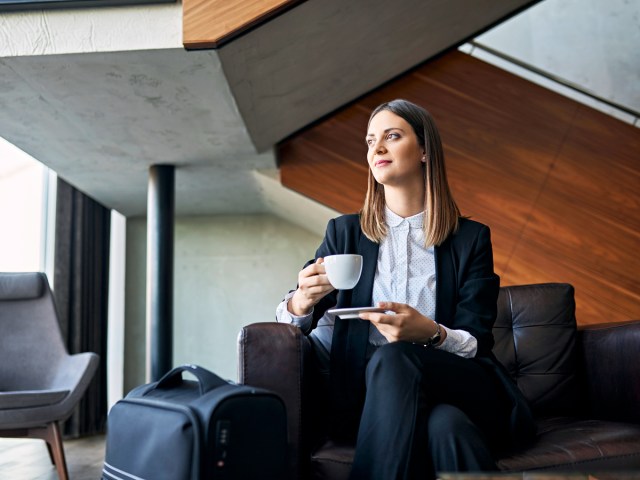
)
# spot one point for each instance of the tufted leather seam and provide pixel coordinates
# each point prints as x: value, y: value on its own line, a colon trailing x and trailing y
x: 547, y: 325
x: 322, y: 460
x: 604, y: 327
x: 516, y: 365
x: 299, y: 394
x: 587, y: 461
x: 243, y: 338
x: 245, y: 363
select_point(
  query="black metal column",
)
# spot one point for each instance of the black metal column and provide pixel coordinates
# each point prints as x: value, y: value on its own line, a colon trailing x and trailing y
x: 160, y: 222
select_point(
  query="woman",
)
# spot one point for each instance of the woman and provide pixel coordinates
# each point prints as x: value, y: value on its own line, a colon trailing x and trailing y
x: 416, y: 385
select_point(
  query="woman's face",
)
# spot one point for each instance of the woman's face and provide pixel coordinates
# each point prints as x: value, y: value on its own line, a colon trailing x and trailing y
x: 394, y: 155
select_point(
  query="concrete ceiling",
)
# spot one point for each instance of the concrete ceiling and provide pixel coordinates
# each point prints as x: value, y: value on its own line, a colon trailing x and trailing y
x: 323, y: 54
x: 101, y: 119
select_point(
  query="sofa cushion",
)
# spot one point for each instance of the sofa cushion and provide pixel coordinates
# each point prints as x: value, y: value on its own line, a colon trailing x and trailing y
x: 615, y: 395
x: 563, y: 444
x: 332, y: 461
x: 579, y: 445
x: 31, y: 398
x: 535, y: 339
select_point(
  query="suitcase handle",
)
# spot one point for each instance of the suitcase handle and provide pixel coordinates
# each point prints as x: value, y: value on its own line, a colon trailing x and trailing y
x: 206, y: 380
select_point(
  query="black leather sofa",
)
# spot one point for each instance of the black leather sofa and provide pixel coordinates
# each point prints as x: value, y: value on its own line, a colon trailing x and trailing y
x: 583, y: 385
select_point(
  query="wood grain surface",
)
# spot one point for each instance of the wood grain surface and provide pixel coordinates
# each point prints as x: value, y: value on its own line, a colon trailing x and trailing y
x: 557, y: 182
x: 210, y: 23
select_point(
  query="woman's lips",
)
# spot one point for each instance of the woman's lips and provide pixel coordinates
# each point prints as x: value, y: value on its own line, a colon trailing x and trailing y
x: 382, y: 163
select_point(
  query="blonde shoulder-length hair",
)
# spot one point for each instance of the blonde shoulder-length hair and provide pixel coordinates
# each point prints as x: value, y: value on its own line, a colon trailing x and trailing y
x: 441, y: 214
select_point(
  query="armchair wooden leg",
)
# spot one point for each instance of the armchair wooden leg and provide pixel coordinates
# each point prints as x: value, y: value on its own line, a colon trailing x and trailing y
x: 53, y: 462
x: 51, y: 435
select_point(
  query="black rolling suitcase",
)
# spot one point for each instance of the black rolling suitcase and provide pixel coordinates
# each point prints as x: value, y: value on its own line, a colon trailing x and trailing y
x: 177, y: 429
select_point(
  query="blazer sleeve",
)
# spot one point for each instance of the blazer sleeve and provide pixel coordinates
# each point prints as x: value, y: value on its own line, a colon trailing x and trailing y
x: 326, y: 248
x: 343, y: 235
x: 478, y: 288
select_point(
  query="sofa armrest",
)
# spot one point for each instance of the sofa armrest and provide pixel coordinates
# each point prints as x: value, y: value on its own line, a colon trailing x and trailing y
x: 611, y: 359
x: 274, y: 356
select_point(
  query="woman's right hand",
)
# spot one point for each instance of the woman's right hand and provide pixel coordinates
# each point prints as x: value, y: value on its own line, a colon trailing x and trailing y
x: 313, y: 285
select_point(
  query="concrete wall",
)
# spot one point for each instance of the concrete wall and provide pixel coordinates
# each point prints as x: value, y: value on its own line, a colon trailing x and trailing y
x: 83, y: 30
x: 591, y: 43
x: 229, y: 271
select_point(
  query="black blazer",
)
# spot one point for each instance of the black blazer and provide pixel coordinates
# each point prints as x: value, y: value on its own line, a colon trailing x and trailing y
x: 466, y: 298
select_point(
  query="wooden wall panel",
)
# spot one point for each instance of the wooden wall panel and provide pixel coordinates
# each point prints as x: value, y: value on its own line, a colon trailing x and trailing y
x: 211, y: 23
x: 586, y: 221
x: 328, y: 164
x: 557, y: 182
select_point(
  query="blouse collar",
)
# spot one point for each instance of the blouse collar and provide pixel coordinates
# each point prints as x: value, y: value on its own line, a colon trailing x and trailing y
x: 394, y: 220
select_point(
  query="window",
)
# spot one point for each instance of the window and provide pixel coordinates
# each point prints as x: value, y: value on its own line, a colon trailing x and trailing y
x: 24, y: 188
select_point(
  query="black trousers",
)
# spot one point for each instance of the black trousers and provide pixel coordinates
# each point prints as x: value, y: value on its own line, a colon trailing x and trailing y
x: 427, y: 411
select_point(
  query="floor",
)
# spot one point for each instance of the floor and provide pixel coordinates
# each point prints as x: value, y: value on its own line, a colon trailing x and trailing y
x: 541, y: 476
x: 27, y: 459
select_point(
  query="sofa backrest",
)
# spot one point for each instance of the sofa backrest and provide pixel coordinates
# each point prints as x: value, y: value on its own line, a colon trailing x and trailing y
x: 535, y: 339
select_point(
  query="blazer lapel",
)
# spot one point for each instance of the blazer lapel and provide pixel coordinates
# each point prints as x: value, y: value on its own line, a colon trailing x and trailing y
x: 349, y: 347
x: 358, y: 336
x: 445, y: 282
x: 361, y: 296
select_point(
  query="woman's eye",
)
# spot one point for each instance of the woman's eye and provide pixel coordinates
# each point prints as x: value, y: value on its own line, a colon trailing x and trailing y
x: 369, y: 142
x: 392, y: 136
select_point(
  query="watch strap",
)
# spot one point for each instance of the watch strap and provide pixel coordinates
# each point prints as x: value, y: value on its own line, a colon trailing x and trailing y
x: 436, y: 336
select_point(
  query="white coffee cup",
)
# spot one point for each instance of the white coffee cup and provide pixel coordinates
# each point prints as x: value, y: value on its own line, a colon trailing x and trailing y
x: 343, y: 270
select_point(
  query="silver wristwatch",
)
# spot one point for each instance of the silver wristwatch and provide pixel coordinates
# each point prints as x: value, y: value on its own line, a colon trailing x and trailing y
x: 435, y: 338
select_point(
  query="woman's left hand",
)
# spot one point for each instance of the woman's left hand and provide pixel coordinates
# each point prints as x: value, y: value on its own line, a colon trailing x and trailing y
x: 406, y: 325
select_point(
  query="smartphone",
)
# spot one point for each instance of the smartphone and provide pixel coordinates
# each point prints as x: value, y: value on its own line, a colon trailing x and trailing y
x: 347, y: 313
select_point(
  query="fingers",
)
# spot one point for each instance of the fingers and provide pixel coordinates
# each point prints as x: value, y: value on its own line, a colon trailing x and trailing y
x: 394, y: 306
x: 314, y: 280
x: 313, y: 269
x: 404, y: 322
x: 394, y: 318
x: 315, y: 292
x: 313, y: 283
x: 389, y: 332
x: 319, y: 280
x: 382, y: 318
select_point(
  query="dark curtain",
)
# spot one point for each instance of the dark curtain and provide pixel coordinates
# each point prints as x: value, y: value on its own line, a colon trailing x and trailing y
x: 81, y: 284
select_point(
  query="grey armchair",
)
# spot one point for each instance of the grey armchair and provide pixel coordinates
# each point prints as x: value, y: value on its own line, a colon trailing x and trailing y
x: 40, y: 383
